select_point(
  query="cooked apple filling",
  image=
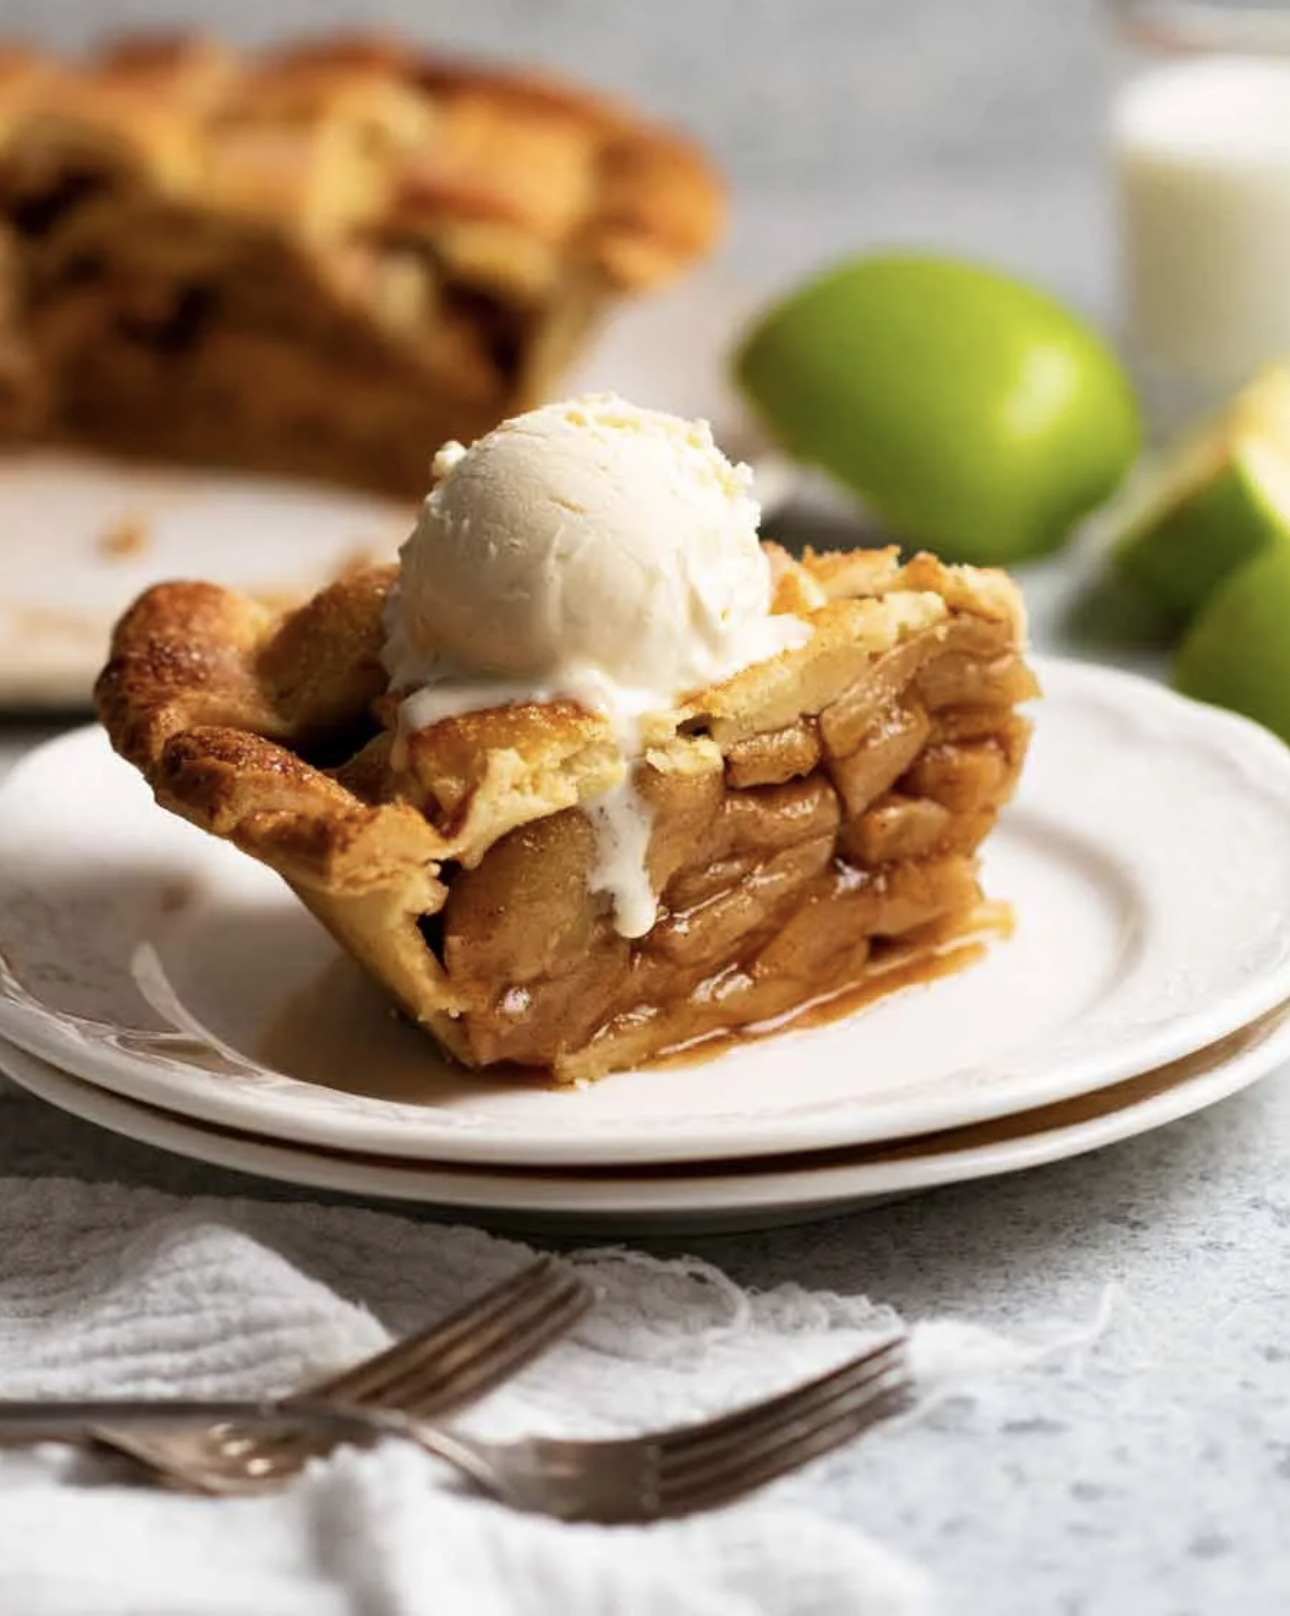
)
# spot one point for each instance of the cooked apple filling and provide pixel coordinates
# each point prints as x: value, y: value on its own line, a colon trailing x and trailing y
x: 810, y: 815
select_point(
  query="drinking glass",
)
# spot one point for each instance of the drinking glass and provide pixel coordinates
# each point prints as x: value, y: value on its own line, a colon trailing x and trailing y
x: 1200, y: 151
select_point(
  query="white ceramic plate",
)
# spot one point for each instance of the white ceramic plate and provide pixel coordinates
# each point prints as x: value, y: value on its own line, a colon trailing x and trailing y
x: 1147, y: 856
x: 707, y: 1197
x: 84, y: 535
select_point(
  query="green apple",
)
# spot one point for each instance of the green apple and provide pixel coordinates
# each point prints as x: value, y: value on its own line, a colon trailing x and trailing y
x: 1237, y: 651
x: 972, y: 413
x: 1218, y: 499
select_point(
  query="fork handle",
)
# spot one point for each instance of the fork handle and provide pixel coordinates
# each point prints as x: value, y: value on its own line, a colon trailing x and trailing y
x: 471, y: 1459
x: 25, y: 1422
x: 41, y: 1420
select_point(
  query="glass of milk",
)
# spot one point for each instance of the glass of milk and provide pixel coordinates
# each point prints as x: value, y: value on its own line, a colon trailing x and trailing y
x: 1200, y: 143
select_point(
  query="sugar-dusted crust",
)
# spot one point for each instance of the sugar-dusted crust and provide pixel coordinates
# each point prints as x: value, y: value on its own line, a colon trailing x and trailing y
x: 808, y: 811
x: 327, y: 259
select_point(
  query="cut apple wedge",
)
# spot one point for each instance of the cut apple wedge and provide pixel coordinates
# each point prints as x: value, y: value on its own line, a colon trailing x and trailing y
x: 1218, y: 499
x: 1236, y: 653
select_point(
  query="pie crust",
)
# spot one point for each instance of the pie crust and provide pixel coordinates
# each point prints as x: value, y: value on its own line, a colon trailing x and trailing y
x: 323, y: 261
x: 814, y: 816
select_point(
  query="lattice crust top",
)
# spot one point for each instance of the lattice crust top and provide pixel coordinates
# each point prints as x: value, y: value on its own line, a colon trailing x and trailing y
x: 806, y: 811
x: 205, y: 685
x: 322, y: 262
x: 511, y: 176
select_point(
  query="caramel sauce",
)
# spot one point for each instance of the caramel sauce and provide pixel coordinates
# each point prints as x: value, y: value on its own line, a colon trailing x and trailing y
x: 125, y: 540
x: 937, y: 951
x: 341, y: 1028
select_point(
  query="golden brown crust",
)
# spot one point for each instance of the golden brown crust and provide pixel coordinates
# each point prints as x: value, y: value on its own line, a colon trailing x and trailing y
x: 838, y: 791
x: 450, y: 141
x: 325, y: 260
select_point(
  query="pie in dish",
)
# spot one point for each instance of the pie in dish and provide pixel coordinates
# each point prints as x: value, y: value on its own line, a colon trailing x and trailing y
x: 321, y: 261
x: 810, y: 818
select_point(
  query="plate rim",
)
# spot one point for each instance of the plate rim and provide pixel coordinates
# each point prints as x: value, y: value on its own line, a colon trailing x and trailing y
x: 39, y: 1033
x: 815, y: 1191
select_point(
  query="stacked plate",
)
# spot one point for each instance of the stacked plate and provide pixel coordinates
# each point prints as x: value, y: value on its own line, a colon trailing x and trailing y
x: 156, y: 982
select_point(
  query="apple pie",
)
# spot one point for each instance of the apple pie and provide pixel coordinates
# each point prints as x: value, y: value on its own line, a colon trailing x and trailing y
x: 813, y: 817
x: 319, y: 261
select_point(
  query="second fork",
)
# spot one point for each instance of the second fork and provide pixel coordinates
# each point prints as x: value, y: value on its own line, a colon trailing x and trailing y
x: 427, y: 1374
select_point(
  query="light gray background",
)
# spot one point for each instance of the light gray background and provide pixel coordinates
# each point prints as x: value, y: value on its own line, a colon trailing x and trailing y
x: 1156, y: 1480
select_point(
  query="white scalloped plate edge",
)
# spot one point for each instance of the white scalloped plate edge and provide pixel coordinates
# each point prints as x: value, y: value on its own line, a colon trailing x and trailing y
x: 739, y: 1196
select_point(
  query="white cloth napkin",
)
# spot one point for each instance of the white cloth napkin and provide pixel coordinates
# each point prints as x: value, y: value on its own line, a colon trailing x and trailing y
x: 105, y: 1290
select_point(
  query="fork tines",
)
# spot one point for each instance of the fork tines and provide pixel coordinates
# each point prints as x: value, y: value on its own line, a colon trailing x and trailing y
x: 474, y: 1349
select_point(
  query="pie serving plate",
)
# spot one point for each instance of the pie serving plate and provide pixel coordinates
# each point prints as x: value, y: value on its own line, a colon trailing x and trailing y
x: 702, y: 1197
x: 1147, y: 857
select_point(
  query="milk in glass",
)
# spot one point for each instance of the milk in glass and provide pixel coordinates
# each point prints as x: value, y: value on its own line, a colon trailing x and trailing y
x: 1202, y: 155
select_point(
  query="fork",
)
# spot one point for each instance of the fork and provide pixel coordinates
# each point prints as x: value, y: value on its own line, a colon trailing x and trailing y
x: 427, y: 1374
x: 656, y: 1476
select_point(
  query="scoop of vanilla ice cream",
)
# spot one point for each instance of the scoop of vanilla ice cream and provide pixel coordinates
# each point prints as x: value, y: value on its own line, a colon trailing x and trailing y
x: 586, y: 536
x: 593, y: 550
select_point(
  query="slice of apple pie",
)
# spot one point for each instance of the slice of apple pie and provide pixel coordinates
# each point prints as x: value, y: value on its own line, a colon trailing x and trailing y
x: 321, y: 261
x: 594, y: 775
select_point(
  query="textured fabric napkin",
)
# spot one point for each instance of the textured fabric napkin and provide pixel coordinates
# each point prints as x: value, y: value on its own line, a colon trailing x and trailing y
x: 106, y: 1291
